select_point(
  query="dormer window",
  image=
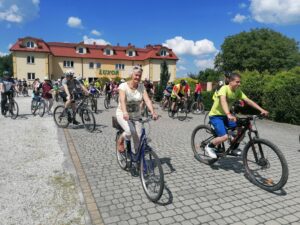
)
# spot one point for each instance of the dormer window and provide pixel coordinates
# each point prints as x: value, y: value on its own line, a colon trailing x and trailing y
x: 30, y: 44
x: 108, y: 52
x: 81, y: 50
x: 163, y: 52
x: 131, y: 53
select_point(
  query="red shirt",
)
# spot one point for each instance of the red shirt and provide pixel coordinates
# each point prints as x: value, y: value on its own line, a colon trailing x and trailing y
x: 198, y: 88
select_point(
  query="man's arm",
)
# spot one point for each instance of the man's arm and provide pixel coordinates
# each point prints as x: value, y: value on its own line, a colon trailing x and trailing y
x: 225, y: 108
x: 256, y: 106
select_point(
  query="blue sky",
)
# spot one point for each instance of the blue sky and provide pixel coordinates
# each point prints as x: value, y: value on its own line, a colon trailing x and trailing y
x: 194, y: 29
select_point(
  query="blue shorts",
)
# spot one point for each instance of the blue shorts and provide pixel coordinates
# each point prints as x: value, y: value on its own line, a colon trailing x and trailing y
x: 220, y: 123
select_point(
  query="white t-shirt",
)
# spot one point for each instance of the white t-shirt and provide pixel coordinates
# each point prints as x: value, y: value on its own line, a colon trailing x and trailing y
x: 133, y: 100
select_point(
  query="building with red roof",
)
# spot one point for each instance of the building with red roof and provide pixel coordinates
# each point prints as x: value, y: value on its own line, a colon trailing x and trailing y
x: 35, y: 58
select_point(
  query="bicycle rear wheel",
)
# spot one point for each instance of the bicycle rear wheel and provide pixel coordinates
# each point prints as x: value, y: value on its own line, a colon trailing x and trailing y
x: 106, y: 103
x: 206, y: 118
x: 61, y: 116
x: 152, y: 176
x: 94, y: 105
x: 14, y: 110
x: 122, y: 158
x: 201, y: 136
x: 182, y: 113
x: 197, y: 108
x: 265, y: 165
x: 88, y: 119
x: 41, y: 108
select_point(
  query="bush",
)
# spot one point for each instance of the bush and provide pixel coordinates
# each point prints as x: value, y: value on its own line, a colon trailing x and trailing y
x: 282, y: 96
x: 207, y: 99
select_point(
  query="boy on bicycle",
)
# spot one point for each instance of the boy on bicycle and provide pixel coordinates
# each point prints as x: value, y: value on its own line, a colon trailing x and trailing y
x: 220, y: 116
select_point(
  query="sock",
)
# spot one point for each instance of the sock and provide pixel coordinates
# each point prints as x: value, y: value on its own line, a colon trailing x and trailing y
x: 211, y: 145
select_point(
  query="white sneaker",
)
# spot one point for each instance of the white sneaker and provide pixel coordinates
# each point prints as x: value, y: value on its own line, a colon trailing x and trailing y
x: 211, y: 152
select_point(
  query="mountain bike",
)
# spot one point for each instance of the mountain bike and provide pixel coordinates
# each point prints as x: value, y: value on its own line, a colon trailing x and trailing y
x: 180, y: 110
x: 197, y: 107
x: 63, y: 116
x: 107, y: 100
x: 264, y: 163
x: 94, y: 104
x: 145, y: 162
x: 11, y: 107
x: 38, y: 104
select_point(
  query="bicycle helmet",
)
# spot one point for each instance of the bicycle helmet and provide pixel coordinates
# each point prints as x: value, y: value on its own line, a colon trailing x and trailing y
x: 182, y: 82
x: 69, y: 73
x: 122, y: 81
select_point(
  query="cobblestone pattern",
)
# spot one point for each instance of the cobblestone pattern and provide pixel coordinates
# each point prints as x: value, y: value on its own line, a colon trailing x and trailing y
x: 195, y: 193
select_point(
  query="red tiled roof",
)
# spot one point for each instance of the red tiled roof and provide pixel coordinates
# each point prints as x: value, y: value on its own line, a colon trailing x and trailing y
x: 94, y: 51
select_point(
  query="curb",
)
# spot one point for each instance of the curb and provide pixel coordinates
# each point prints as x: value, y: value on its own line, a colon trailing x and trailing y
x: 85, y: 187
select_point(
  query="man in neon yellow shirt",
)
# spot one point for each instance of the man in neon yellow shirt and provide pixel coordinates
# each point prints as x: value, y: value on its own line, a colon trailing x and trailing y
x: 220, y: 116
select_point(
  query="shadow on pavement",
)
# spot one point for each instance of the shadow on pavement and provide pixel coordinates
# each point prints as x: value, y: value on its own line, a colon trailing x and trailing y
x: 229, y: 164
x: 167, y: 162
x: 166, y: 198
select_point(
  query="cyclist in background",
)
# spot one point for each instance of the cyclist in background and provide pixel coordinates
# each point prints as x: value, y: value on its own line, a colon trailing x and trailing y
x: 46, y: 88
x: 178, y: 93
x: 7, y: 85
x: 220, y: 116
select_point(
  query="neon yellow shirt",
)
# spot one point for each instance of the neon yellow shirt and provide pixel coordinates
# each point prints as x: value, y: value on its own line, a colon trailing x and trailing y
x: 177, y: 89
x: 86, y: 83
x: 231, y: 97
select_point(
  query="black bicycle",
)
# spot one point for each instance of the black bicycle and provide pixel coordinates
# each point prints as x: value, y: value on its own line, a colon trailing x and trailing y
x: 144, y: 162
x: 264, y: 163
x: 180, y: 110
x: 63, y: 116
x: 11, y: 107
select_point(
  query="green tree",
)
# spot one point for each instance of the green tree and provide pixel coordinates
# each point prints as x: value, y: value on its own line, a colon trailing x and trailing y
x: 206, y: 75
x: 259, y: 49
x: 6, y: 64
x: 164, y: 78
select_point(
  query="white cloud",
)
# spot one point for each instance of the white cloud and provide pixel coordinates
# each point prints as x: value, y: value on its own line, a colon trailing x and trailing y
x: 182, y: 46
x: 19, y: 11
x: 88, y: 40
x: 11, y: 14
x: 3, y: 54
x: 239, y: 18
x: 203, y: 64
x: 275, y: 11
x: 95, y: 32
x: 74, y: 22
x: 181, y: 68
x: 9, y: 45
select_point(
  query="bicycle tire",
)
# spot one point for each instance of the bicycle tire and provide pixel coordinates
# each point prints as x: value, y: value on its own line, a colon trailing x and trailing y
x: 106, y: 103
x: 206, y: 118
x: 254, y: 176
x: 14, y: 111
x: 34, y: 106
x: 41, y: 108
x: 197, y: 109
x: 122, y: 158
x: 88, y: 119
x: 182, y: 113
x: 147, y: 167
x: 60, y: 117
x: 205, y: 135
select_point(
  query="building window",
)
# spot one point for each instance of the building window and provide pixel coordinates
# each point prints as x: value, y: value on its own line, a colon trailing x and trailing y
x: 98, y: 65
x: 30, y: 44
x: 108, y: 52
x: 130, y: 53
x: 68, y: 63
x: 30, y: 59
x: 120, y: 66
x: 91, y: 65
x: 81, y: 50
x: 163, y: 53
x: 30, y: 76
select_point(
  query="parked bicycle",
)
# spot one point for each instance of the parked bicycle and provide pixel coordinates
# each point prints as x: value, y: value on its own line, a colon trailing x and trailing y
x: 63, y: 117
x: 144, y: 161
x: 11, y: 107
x: 259, y: 155
x: 180, y: 110
x: 38, y: 105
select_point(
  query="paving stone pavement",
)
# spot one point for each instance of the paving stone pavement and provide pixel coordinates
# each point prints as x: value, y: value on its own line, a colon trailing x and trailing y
x: 195, y: 193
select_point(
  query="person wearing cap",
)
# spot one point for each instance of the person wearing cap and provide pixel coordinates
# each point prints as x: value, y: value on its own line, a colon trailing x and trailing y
x: 46, y: 89
x: 7, y: 85
x: 131, y: 94
x: 70, y: 87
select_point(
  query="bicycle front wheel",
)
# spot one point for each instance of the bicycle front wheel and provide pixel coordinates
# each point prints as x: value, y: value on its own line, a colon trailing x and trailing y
x: 88, y: 119
x: 94, y: 105
x: 106, y: 103
x: 265, y: 165
x: 60, y: 116
x: 34, y: 106
x: 14, y: 110
x: 197, y: 108
x: 152, y: 176
x: 201, y: 136
x: 41, y: 108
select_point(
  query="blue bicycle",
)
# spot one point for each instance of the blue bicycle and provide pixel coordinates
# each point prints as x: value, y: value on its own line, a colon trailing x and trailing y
x: 144, y: 162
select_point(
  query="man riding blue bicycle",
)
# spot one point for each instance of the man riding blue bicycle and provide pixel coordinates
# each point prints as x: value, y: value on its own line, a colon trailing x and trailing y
x: 220, y: 116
